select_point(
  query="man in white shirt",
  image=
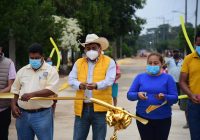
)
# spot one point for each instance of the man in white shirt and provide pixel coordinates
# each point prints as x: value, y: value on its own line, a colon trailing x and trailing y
x: 92, y: 76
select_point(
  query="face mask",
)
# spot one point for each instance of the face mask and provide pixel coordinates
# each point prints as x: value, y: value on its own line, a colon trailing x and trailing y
x: 35, y: 63
x: 198, y: 49
x: 50, y: 63
x: 92, y: 55
x: 153, y: 69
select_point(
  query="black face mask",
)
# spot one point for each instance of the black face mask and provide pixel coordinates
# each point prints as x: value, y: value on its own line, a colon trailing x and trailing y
x: 176, y: 56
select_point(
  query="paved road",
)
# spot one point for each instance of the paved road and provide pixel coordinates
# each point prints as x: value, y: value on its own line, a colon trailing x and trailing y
x: 64, y: 117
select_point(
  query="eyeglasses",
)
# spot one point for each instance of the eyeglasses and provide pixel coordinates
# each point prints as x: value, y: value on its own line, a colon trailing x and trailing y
x: 94, y: 47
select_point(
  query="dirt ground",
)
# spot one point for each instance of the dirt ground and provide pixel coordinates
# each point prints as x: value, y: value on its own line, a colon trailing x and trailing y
x: 64, y: 115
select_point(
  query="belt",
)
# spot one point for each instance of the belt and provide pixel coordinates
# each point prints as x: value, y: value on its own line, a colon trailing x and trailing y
x: 33, y: 110
x: 87, y: 104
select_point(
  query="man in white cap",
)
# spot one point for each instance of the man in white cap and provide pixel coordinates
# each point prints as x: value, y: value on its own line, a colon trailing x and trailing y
x: 92, y: 76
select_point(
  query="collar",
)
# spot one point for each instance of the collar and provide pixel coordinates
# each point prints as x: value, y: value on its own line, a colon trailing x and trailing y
x: 195, y: 55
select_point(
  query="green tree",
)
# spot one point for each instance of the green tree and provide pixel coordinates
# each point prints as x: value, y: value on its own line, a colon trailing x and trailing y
x: 30, y: 21
x: 110, y: 18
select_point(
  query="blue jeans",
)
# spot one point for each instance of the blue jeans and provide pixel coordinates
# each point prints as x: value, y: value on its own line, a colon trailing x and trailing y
x: 40, y: 124
x: 194, y: 120
x: 89, y: 117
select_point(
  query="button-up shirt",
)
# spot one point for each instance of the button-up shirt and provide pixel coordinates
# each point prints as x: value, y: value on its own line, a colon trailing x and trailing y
x: 28, y: 80
x: 108, y: 81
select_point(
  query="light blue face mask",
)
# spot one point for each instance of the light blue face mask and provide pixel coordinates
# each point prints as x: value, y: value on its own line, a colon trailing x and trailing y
x: 35, y: 63
x: 50, y: 63
x: 198, y: 49
x: 153, y: 70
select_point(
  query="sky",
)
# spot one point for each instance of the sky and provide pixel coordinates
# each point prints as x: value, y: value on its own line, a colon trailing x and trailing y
x: 157, y: 12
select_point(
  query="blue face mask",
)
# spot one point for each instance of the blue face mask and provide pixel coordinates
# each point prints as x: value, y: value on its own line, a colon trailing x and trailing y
x: 153, y: 70
x: 35, y: 63
x: 50, y: 63
x: 198, y: 49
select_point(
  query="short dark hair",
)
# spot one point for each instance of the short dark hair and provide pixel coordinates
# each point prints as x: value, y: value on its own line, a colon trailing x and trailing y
x: 176, y: 51
x: 197, y: 35
x: 36, y: 48
x: 161, y: 59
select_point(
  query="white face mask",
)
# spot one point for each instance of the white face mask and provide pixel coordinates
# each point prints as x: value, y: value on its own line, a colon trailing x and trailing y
x: 92, y: 55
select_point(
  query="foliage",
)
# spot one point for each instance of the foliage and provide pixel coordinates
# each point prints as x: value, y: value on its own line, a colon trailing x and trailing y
x: 109, y: 18
x: 29, y: 21
x: 70, y: 32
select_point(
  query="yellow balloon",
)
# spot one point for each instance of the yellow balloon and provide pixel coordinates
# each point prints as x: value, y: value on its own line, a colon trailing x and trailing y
x: 185, y: 34
x: 58, y: 53
x: 52, y: 52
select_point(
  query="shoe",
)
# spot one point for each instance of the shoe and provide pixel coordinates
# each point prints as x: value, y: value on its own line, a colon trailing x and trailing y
x: 186, y: 126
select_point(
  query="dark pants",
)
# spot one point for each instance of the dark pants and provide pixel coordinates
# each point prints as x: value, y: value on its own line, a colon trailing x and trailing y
x: 5, y: 119
x: 194, y: 120
x: 155, y: 129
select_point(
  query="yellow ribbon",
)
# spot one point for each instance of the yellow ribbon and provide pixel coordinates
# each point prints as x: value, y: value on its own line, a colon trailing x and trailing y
x: 111, y: 107
x: 116, y: 116
x: 57, y: 51
x: 63, y: 86
x: 185, y: 34
x: 154, y: 107
x: 144, y: 121
x: 182, y: 97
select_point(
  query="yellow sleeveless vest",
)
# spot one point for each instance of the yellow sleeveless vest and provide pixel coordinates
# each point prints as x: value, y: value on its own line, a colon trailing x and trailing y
x: 99, y: 74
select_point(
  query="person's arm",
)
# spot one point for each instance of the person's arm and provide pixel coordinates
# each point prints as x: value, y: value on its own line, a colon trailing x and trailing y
x: 118, y: 72
x: 11, y: 77
x: 132, y: 94
x: 183, y: 82
x: 172, y: 95
x: 73, y: 79
x: 110, y: 76
x: 184, y: 79
x: 15, y: 89
x: 7, y: 89
x: 50, y: 89
x: 118, y: 75
x: 15, y: 109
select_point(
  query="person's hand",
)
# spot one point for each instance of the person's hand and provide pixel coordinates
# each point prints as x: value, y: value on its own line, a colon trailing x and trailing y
x: 160, y: 96
x: 142, y: 95
x: 91, y: 86
x: 27, y: 96
x: 195, y: 98
x: 15, y: 111
x: 82, y: 86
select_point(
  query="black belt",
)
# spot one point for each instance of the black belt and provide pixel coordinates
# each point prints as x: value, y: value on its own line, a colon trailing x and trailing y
x: 88, y: 104
x: 33, y: 110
